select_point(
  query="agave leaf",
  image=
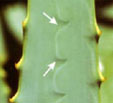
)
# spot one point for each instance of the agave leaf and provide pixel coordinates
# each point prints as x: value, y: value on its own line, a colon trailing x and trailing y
x: 15, y: 15
x: 71, y: 44
x: 4, y: 90
x: 106, y: 56
x: 108, y: 11
x: 3, y: 54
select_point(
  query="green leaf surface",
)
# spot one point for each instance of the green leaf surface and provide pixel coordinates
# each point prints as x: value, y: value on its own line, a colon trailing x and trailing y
x: 15, y: 15
x: 3, y: 53
x: 108, y: 11
x: 71, y: 44
x: 106, y: 56
x: 4, y: 90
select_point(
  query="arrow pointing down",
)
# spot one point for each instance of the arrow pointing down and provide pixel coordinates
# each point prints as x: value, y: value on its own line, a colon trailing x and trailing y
x: 52, y: 20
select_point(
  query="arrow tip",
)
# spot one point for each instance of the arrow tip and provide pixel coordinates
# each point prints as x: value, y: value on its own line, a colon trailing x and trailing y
x: 52, y: 65
x: 53, y: 21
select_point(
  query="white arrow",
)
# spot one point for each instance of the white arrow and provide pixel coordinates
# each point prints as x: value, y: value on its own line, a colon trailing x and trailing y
x: 50, y: 67
x: 52, y: 20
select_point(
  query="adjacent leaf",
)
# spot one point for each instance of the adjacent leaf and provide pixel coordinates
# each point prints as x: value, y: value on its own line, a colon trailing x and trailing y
x: 4, y: 90
x: 15, y: 15
x: 108, y: 11
x: 106, y: 56
x: 106, y: 52
x: 3, y: 54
